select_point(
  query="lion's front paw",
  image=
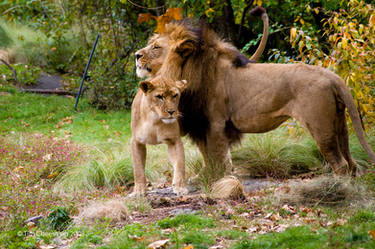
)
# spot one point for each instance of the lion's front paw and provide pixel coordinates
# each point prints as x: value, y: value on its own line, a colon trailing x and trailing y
x: 180, y: 190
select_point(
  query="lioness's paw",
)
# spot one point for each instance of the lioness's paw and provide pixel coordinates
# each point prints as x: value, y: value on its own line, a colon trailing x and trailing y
x: 180, y: 190
x: 136, y: 194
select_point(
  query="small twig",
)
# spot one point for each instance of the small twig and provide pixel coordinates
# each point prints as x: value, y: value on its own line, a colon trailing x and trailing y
x: 149, y: 8
x: 14, y: 72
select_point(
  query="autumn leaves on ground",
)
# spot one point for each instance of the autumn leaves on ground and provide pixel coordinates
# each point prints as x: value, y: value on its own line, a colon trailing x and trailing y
x: 74, y: 169
x: 65, y: 175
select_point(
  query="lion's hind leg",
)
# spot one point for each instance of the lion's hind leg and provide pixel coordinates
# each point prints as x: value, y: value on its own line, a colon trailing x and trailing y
x: 323, y: 123
x: 326, y: 136
x: 343, y: 136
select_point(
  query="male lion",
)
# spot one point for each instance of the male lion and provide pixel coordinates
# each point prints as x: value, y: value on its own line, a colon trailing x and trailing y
x: 154, y: 117
x: 224, y: 100
x: 149, y: 59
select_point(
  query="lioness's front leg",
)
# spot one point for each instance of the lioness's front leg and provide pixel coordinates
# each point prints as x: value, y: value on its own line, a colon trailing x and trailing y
x: 139, y: 162
x: 177, y: 156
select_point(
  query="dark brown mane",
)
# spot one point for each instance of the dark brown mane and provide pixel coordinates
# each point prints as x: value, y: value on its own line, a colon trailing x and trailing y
x: 193, y: 102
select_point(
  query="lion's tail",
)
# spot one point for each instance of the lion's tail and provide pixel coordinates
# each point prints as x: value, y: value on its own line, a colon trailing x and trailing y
x: 259, y: 11
x: 354, y: 115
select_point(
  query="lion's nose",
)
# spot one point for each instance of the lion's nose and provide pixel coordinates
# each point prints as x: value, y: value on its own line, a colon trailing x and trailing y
x: 171, y: 112
x: 137, y: 56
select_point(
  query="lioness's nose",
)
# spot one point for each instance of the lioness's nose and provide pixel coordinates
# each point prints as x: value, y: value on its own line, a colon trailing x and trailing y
x: 171, y: 112
x: 137, y: 56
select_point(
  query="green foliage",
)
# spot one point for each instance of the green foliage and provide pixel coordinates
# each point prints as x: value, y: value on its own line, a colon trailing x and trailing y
x: 17, y: 238
x: 26, y: 75
x: 348, y: 49
x: 5, y: 40
x: 187, y: 220
x: 58, y: 218
x: 276, y: 154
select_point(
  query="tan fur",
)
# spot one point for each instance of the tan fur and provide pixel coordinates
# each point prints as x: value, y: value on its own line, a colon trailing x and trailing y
x: 256, y: 98
x: 4, y: 55
x: 96, y: 211
x: 228, y: 187
x: 154, y: 117
x: 150, y: 58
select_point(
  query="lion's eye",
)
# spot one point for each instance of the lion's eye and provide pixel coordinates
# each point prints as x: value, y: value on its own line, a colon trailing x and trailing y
x: 159, y: 96
x: 175, y: 96
x: 156, y: 47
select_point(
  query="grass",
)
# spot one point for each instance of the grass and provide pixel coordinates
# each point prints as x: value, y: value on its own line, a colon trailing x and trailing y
x: 24, y: 43
x: 355, y: 234
x: 84, y: 156
x: 29, y: 46
x: 276, y: 154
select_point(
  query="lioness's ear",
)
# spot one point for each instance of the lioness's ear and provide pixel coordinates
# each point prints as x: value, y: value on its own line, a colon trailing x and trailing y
x: 146, y: 86
x: 181, y: 84
x: 185, y: 48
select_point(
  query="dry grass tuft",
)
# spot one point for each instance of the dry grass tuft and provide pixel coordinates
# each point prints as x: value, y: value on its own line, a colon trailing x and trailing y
x: 228, y: 187
x: 323, y: 190
x: 114, y: 210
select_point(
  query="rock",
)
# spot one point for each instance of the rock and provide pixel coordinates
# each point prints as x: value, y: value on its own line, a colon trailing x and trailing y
x: 34, y: 219
x: 183, y: 211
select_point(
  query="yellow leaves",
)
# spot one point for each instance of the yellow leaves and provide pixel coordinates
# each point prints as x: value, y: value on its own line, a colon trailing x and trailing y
x: 53, y: 175
x: 188, y: 247
x: 174, y: 13
x: 344, y: 43
x: 208, y: 12
x: 293, y: 34
x: 145, y: 17
x: 170, y: 15
x: 258, y: 2
x: 372, y: 20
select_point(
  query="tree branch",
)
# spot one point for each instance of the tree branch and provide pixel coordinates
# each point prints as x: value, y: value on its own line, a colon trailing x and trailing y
x: 14, y: 73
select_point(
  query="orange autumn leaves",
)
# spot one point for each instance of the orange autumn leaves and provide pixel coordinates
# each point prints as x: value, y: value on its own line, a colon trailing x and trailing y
x: 170, y: 15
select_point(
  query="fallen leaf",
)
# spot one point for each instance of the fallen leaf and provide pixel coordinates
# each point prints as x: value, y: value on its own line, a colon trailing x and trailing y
x: 158, y: 244
x: 137, y: 238
x: 53, y: 175
x: 188, y: 247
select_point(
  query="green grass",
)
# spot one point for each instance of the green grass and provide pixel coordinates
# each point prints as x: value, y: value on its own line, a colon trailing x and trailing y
x: 24, y: 43
x: 187, y: 221
x: 33, y: 123
x: 277, y: 154
x: 51, y: 114
x: 355, y: 234
x: 33, y: 47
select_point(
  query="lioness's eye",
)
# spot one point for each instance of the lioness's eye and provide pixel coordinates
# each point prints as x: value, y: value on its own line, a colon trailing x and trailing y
x: 159, y: 96
x: 156, y: 47
x: 175, y: 96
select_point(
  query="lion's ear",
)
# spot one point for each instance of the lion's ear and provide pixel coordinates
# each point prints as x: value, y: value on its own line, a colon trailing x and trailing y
x: 146, y: 86
x: 181, y: 84
x: 185, y: 48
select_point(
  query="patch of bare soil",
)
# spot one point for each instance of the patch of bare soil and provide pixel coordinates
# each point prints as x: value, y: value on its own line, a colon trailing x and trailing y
x: 165, y: 203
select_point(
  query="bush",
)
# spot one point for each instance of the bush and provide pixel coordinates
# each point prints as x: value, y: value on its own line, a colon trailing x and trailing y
x: 26, y: 75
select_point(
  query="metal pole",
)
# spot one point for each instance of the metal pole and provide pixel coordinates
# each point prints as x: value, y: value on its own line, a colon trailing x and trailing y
x: 85, y: 73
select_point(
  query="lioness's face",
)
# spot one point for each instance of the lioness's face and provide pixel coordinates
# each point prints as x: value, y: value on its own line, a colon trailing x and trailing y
x: 149, y: 59
x: 163, y: 97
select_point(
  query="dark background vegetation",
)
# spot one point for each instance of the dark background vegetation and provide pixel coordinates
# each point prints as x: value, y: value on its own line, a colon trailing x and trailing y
x: 70, y: 27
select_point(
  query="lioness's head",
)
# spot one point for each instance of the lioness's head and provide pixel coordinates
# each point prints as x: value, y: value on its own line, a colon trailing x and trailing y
x: 163, y: 97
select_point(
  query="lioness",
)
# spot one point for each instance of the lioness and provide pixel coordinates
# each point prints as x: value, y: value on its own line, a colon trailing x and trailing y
x: 224, y: 100
x: 154, y: 117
